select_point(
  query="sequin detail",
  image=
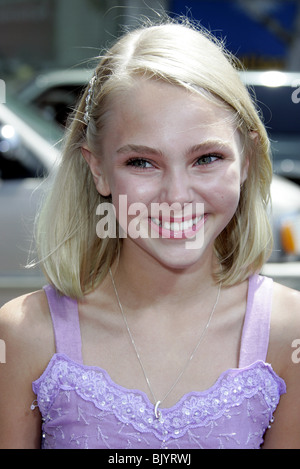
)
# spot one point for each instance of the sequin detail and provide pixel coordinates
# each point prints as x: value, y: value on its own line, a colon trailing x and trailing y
x: 82, y: 407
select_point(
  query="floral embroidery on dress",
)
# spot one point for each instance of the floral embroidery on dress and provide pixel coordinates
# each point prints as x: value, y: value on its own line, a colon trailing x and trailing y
x: 253, y: 391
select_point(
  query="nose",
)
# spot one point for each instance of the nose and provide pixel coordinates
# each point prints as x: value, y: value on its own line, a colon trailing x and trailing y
x: 177, y: 187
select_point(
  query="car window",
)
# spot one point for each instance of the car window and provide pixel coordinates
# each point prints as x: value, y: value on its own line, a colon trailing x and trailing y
x: 57, y: 102
x: 281, y: 114
x: 16, y: 160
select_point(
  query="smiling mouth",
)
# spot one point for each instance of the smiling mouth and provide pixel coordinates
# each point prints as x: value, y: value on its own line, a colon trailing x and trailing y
x: 177, y: 226
x: 177, y: 229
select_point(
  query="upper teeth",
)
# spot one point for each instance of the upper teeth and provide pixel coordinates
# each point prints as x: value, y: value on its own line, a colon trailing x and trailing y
x: 176, y: 226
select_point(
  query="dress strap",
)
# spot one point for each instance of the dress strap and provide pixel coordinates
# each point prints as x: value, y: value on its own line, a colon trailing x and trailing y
x: 65, y: 319
x: 256, y: 330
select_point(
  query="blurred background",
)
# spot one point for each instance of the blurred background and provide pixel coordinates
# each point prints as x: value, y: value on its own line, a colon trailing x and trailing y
x: 44, y: 34
x: 47, y: 51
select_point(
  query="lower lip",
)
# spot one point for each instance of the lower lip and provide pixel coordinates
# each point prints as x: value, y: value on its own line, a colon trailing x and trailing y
x: 181, y: 234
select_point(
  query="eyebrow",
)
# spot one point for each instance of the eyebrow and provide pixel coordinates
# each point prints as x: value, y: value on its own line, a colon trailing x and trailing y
x: 219, y: 143
x: 141, y: 149
x: 145, y: 150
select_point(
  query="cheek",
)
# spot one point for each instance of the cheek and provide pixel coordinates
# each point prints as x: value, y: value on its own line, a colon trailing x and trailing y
x: 225, y: 193
x: 135, y: 189
x: 229, y: 199
x: 132, y: 203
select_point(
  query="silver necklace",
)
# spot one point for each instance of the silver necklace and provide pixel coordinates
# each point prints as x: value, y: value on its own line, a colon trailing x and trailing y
x: 157, y: 412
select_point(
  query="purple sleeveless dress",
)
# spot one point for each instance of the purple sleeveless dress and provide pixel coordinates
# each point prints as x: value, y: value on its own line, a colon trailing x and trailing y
x: 82, y: 407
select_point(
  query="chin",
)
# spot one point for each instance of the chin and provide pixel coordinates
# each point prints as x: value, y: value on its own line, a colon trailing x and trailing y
x: 187, y: 260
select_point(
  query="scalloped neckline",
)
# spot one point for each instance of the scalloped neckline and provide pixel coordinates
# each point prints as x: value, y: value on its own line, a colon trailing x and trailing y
x: 143, y: 394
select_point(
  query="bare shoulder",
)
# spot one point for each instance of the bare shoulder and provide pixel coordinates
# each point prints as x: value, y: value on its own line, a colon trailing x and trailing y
x: 285, y: 320
x: 25, y: 323
x: 286, y: 298
x: 285, y: 324
x: 26, y: 332
x: 284, y: 356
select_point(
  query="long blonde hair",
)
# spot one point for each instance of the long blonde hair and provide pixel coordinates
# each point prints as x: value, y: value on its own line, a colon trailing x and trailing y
x: 73, y: 257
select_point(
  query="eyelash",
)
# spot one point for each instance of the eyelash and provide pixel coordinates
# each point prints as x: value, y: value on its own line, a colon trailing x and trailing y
x: 210, y: 155
x: 136, y: 163
x: 139, y: 163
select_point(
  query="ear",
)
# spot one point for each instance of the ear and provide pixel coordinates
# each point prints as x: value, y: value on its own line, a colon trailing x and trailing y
x: 94, y: 163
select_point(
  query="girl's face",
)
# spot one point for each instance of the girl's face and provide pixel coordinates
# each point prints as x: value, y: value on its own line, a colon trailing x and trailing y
x: 165, y: 147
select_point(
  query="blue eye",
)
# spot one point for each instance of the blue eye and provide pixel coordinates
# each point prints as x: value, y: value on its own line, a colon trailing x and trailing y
x: 139, y: 163
x: 208, y: 159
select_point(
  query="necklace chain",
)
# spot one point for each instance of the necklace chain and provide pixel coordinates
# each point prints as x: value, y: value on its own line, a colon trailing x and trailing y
x: 158, y: 402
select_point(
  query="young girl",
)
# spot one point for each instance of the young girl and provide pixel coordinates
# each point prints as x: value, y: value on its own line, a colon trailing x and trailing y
x: 156, y: 331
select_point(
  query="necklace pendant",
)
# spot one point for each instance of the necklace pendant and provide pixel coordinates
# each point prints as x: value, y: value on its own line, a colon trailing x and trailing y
x: 157, y: 412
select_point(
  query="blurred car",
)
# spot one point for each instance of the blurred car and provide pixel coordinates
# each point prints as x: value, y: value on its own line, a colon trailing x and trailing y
x: 284, y: 263
x: 278, y: 96
x: 54, y: 94
x: 27, y: 154
x: 285, y: 220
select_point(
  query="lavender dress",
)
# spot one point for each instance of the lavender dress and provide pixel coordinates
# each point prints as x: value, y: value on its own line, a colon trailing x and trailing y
x: 82, y: 407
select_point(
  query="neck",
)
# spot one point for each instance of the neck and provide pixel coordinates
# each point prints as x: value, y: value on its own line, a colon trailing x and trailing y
x: 149, y: 283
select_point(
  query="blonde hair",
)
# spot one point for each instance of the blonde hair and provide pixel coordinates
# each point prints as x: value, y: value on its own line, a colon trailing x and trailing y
x: 73, y: 257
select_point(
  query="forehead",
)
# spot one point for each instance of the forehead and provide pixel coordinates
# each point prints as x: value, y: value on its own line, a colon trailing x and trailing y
x: 153, y: 109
